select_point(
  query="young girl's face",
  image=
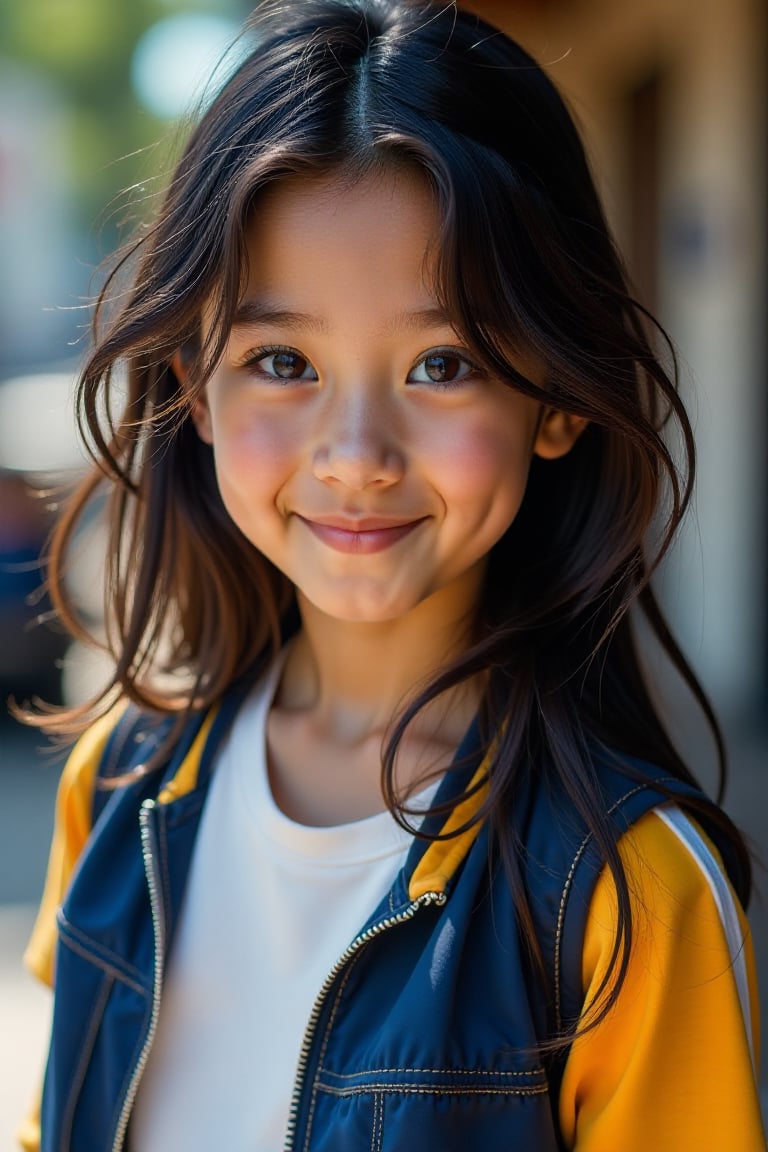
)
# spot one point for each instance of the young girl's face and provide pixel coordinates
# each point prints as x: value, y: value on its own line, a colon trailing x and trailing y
x: 357, y: 446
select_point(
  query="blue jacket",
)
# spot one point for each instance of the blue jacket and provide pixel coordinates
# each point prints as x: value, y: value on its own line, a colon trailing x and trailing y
x: 423, y: 1037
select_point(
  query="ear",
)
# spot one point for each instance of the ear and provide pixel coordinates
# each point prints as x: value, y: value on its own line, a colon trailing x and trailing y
x: 200, y: 413
x: 557, y: 433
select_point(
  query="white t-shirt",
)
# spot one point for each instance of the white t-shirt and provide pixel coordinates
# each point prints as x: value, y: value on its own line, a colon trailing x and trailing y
x: 269, y: 908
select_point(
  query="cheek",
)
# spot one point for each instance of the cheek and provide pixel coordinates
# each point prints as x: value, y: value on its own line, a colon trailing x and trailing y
x: 485, y: 465
x: 252, y: 456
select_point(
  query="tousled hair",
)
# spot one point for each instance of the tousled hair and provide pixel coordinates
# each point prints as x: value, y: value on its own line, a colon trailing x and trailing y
x: 525, y: 262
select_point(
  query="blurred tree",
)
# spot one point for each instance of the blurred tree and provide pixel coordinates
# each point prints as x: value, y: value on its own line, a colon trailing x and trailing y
x: 80, y: 155
x: 84, y: 48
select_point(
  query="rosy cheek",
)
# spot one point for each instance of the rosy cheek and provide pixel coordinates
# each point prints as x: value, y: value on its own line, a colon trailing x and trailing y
x: 251, y: 457
x: 248, y: 436
x: 261, y: 444
x: 483, y: 454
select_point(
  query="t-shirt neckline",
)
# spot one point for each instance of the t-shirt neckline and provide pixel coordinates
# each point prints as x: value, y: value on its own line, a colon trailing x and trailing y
x: 245, y: 755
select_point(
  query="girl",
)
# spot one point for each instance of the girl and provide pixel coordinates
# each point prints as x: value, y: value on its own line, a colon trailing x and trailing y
x: 401, y: 856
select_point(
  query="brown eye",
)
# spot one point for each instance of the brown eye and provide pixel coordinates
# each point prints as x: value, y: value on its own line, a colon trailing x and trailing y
x: 441, y: 368
x: 288, y: 365
x: 280, y: 364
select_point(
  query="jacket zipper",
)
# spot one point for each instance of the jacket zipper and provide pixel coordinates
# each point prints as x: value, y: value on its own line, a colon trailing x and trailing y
x: 309, y: 1035
x: 146, y: 815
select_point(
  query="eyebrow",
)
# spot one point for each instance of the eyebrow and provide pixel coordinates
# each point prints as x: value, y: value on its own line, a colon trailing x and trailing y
x: 256, y: 313
x: 416, y: 321
x: 253, y: 313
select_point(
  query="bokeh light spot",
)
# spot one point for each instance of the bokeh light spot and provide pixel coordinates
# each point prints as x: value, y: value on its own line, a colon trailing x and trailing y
x: 183, y: 59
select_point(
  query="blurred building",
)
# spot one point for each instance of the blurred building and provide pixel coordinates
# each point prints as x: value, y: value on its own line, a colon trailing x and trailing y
x: 672, y: 101
x: 37, y: 245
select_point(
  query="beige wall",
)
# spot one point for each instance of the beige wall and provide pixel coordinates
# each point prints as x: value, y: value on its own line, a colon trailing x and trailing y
x: 711, y: 271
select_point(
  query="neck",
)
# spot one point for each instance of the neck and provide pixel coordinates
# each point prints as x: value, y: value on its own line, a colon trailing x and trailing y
x: 354, y: 677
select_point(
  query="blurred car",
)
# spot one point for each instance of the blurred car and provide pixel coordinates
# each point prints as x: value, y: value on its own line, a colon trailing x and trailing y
x: 38, y: 442
x: 30, y: 649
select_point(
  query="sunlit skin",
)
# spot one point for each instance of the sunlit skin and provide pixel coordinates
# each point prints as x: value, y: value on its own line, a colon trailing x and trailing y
x: 360, y: 448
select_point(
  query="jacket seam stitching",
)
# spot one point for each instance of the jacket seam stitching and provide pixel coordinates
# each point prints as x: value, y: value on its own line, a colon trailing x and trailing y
x: 436, y: 1071
x: 375, y: 1129
x: 417, y: 1090
x: 328, y: 1029
x: 103, y: 965
x: 569, y: 883
x: 86, y: 1050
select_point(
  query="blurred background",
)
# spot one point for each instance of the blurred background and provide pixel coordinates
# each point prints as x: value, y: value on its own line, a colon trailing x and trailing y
x: 671, y: 99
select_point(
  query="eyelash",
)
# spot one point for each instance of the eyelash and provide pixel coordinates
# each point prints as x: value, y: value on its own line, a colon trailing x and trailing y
x: 252, y: 363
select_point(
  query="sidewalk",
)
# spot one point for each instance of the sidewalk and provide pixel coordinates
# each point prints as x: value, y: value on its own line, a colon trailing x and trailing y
x: 27, y: 786
x: 24, y: 1010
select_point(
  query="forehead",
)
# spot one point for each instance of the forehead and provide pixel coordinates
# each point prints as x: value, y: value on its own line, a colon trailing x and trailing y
x: 330, y: 239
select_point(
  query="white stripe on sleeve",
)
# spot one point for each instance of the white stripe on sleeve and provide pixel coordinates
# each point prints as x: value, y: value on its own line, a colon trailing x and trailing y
x: 687, y: 832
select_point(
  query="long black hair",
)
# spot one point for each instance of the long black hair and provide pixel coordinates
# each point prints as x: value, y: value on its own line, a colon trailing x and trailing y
x: 525, y: 262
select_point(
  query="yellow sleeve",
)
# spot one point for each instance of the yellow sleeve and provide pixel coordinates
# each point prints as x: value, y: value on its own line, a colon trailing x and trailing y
x: 671, y: 1066
x: 28, y: 1135
x: 72, y: 826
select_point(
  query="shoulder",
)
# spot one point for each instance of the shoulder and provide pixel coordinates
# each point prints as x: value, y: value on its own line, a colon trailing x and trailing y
x: 82, y: 765
x: 122, y: 759
x: 79, y: 775
x: 673, y: 1063
x: 565, y: 858
x: 688, y: 924
x: 669, y: 850
x: 72, y: 826
x: 564, y: 847
x: 626, y: 790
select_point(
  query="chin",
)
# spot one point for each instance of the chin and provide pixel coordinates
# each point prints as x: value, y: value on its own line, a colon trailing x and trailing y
x: 363, y: 608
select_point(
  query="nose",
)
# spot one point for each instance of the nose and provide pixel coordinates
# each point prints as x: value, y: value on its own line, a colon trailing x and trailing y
x: 359, y: 445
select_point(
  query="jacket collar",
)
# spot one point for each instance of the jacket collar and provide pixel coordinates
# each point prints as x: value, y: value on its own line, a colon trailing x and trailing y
x: 452, y: 826
x: 447, y: 833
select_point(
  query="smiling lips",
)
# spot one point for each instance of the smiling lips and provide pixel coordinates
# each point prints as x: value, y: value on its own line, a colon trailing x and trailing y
x: 365, y: 535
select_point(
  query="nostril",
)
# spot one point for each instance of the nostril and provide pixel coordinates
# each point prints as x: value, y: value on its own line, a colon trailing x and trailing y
x: 357, y: 464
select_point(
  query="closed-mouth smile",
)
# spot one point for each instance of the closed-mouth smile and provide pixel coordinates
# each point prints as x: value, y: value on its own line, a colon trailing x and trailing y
x: 363, y: 535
